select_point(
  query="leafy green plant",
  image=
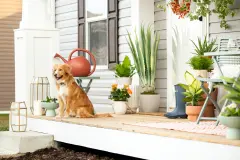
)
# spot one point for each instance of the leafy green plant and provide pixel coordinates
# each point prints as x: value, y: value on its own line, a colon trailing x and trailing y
x: 233, y: 95
x: 231, y: 110
x: 144, y: 51
x: 201, y: 63
x: 125, y: 69
x: 50, y: 100
x: 204, y: 46
x: 193, y: 91
x: 120, y: 94
x: 233, y: 91
x: 221, y: 8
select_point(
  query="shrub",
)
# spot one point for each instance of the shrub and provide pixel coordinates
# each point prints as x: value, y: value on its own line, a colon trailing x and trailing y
x: 201, y: 63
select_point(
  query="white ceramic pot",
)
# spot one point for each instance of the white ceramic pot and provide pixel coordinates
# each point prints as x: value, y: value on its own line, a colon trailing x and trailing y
x: 201, y: 73
x: 120, y: 107
x: 124, y: 80
x: 149, y: 102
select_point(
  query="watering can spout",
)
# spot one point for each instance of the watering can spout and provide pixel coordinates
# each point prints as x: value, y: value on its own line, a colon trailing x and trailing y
x: 59, y: 56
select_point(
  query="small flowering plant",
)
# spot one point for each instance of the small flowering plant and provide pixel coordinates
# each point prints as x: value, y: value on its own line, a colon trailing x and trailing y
x: 231, y: 110
x: 119, y: 93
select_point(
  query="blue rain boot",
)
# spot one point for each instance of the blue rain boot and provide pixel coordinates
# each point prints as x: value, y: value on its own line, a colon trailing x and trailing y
x: 179, y: 111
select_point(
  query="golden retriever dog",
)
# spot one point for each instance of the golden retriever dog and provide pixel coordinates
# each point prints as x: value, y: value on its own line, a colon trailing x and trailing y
x: 73, y: 101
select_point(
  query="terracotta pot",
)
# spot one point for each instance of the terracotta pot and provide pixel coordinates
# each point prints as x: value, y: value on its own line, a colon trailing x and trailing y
x: 193, y: 112
x: 209, y: 111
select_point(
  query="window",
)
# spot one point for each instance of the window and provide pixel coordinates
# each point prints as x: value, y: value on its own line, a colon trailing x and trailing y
x: 98, y: 30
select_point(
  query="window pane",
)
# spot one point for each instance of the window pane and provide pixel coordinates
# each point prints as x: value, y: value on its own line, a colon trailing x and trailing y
x: 96, y: 8
x: 98, y: 41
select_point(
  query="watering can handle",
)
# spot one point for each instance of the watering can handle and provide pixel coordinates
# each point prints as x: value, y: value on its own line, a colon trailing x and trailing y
x: 89, y: 53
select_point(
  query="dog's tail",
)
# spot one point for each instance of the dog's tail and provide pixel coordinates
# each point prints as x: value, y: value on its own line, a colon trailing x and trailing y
x: 102, y: 115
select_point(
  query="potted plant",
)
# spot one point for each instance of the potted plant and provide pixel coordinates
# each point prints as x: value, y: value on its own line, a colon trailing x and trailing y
x: 124, y: 72
x: 50, y: 104
x: 144, y: 51
x: 201, y: 65
x: 193, y: 93
x: 223, y: 9
x: 178, y: 7
x: 204, y: 46
x: 230, y: 115
x: 119, y: 97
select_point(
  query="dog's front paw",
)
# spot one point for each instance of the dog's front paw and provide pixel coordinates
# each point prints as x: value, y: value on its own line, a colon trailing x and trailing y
x: 66, y: 116
x: 58, y: 117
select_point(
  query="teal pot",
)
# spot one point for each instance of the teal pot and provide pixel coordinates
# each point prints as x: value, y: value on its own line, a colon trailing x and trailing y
x: 233, y: 124
x: 50, y: 108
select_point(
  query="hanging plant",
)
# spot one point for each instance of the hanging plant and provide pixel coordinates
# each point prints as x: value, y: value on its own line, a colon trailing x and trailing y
x: 180, y: 8
x: 221, y: 8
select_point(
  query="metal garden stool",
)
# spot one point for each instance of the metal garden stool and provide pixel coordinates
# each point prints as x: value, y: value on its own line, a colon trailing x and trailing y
x: 227, y: 54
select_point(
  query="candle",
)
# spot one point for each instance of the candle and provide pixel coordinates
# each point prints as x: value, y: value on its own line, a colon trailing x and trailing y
x: 37, y: 108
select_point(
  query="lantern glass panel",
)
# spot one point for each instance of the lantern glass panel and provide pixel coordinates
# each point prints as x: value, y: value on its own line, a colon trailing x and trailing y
x: 39, y: 90
x: 18, y: 116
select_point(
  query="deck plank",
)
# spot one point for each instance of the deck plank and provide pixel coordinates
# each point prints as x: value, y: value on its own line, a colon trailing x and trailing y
x: 122, y: 123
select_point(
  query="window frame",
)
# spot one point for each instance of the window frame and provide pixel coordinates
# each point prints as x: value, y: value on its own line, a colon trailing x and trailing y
x: 112, y: 31
x: 94, y: 19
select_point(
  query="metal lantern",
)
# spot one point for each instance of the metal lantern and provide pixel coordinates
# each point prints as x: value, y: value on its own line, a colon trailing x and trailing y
x: 18, y: 117
x: 39, y: 90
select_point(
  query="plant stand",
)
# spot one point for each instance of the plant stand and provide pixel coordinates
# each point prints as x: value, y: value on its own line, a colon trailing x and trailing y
x: 88, y: 87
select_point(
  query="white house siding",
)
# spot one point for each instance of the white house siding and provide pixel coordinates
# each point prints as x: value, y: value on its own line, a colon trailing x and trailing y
x: 66, y: 21
x: 215, y: 30
x: 160, y: 25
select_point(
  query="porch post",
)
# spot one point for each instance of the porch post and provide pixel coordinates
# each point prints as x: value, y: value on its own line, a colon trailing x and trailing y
x: 36, y: 42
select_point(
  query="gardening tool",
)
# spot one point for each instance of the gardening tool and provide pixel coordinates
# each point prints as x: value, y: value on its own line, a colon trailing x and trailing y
x: 81, y: 67
x: 179, y: 111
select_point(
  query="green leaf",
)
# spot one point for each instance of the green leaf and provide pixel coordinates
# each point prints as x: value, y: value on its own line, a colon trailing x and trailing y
x: 227, y: 79
x: 184, y: 86
x: 189, y: 78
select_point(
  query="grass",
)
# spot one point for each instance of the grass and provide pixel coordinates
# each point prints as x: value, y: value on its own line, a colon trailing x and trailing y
x: 4, y: 122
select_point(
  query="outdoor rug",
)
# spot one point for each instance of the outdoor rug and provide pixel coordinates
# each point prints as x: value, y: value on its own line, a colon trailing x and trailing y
x: 208, y: 127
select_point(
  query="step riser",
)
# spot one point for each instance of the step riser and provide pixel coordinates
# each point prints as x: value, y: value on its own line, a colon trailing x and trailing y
x: 25, y: 142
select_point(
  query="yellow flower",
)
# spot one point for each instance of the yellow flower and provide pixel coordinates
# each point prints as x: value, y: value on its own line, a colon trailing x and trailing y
x: 126, y: 86
x: 114, y: 86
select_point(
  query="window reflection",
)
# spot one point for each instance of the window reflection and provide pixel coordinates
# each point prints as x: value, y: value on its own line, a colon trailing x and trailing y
x: 98, y: 41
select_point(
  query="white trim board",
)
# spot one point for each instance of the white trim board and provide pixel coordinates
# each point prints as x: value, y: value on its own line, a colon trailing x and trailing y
x: 4, y: 112
x: 133, y: 144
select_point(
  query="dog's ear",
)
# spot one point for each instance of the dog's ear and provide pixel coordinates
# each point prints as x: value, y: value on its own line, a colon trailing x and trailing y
x: 55, y: 66
x: 67, y: 68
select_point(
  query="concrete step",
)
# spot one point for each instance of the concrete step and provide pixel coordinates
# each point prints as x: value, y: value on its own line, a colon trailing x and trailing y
x: 23, y: 142
x: 4, y: 152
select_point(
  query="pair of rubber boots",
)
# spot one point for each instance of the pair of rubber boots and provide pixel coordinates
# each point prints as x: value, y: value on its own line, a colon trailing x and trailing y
x: 180, y: 109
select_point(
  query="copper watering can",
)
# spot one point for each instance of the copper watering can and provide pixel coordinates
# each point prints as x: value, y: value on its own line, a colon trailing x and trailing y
x: 81, y: 67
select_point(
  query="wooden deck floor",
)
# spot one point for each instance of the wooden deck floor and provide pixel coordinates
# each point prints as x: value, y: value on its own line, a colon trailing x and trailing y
x: 121, y: 122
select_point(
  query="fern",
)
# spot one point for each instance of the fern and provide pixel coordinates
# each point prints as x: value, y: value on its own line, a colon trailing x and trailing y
x: 201, y: 63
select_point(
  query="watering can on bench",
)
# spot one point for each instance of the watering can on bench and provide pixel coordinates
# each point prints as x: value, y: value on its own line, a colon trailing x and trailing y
x: 81, y: 67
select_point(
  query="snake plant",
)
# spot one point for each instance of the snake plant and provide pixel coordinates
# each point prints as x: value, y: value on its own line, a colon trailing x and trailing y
x: 144, y: 51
